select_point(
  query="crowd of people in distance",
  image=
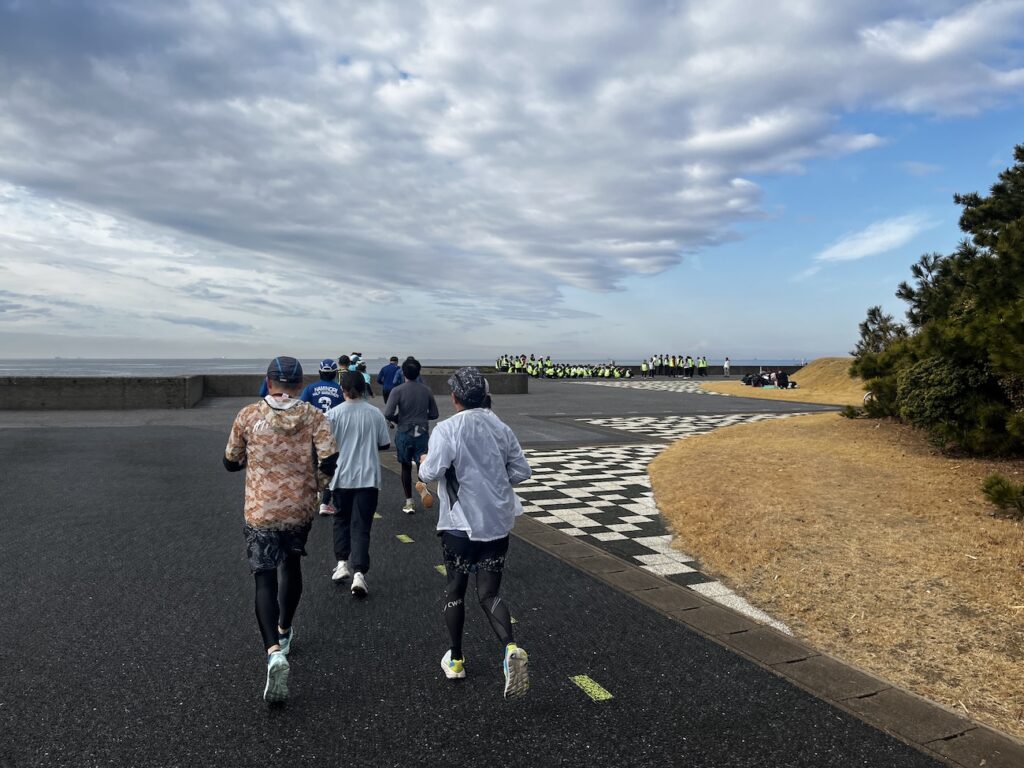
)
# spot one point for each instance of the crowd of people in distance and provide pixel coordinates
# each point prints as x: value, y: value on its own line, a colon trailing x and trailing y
x: 546, y: 368
x: 322, y: 441
x: 671, y: 366
x: 778, y: 379
x: 674, y: 366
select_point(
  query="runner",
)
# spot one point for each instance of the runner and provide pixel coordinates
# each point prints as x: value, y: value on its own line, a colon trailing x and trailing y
x: 360, y: 431
x: 361, y: 370
x: 411, y: 409
x: 324, y: 394
x: 386, y: 377
x: 276, y: 440
x: 477, y: 459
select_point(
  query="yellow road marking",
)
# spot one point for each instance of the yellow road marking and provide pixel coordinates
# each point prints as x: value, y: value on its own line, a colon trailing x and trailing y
x: 591, y: 688
x: 404, y: 539
x: 441, y: 569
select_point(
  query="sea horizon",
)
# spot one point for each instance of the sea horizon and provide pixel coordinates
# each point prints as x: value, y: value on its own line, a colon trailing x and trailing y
x: 87, y: 366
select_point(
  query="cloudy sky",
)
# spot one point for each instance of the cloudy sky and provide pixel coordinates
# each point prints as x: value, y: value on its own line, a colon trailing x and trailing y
x: 609, y: 178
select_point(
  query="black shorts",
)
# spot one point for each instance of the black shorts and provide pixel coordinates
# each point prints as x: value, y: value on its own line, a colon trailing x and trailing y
x: 468, y: 556
x: 267, y: 549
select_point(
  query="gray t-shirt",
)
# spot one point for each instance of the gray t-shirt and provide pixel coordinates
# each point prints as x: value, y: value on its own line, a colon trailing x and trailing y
x: 359, y: 430
x: 411, y: 406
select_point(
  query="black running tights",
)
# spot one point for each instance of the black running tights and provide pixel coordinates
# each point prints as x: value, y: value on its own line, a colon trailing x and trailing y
x: 407, y: 479
x: 277, y: 596
x: 487, y: 586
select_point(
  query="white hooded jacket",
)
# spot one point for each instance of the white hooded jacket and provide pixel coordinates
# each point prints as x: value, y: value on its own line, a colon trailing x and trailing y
x: 476, y: 460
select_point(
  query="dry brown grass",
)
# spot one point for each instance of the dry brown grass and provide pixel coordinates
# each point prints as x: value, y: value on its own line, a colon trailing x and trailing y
x: 825, y: 380
x: 867, y: 543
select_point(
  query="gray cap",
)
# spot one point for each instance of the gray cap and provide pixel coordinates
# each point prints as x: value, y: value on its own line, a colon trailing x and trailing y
x: 469, y: 386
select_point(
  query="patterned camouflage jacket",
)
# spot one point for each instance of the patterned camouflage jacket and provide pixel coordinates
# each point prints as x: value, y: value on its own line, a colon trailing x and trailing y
x: 275, y: 442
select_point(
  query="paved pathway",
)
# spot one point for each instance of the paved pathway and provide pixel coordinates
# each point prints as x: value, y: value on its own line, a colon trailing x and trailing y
x: 131, y: 639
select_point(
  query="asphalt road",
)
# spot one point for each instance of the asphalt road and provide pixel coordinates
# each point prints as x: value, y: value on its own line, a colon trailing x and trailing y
x: 131, y: 638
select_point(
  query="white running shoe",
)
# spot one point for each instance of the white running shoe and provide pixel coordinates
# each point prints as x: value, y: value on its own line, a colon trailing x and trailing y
x: 409, y: 507
x: 277, y: 678
x: 454, y: 669
x: 517, y: 673
x: 327, y: 510
x: 285, y: 641
x: 359, y: 585
x: 341, y: 571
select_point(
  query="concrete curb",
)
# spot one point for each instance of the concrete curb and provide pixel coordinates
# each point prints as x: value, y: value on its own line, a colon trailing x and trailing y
x: 929, y: 727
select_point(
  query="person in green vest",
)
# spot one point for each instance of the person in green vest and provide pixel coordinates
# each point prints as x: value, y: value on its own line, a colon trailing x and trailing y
x: 643, y: 369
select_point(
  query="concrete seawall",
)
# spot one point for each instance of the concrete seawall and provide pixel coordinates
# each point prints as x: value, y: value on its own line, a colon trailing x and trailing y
x: 56, y: 393
x: 86, y: 393
x: 115, y: 393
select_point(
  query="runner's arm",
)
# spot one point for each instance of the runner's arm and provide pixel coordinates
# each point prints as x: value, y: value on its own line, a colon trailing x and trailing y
x: 391, y: 408
x: 439, y: 456
x: 325, y: 445
x: 383, y: 436
x: 516, y: 465
x: 234, y: 453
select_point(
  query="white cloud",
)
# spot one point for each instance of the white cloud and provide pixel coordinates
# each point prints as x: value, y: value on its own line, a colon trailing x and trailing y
x: 877, y: 238
x: 500, y: 154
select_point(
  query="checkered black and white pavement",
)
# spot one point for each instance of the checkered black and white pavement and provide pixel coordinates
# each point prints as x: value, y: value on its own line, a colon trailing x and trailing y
x: 603, y: 494
x: 678, y: 427
x: 683, y: 386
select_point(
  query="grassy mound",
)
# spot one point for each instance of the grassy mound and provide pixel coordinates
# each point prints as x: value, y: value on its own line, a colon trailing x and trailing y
x: 865, y: 541
x: 825, y: 380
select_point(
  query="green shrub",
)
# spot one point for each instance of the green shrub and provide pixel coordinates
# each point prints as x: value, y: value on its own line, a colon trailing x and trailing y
x: 934, y: 391
x: 1007, y: 495
x: 851, y: 412
x: 882, y: 403
x: 957, y: 368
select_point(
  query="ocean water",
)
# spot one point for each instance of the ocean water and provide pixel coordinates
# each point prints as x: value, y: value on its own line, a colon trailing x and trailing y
x: 185, y: 367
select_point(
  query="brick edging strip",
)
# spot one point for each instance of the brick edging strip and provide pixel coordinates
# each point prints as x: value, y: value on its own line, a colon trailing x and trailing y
x: 929, y: 727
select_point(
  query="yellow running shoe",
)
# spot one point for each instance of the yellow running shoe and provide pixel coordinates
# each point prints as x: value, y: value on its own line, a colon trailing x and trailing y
x: 454, y: 669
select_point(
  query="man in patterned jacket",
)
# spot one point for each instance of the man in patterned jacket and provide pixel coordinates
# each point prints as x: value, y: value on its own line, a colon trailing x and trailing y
x: 274, y: 440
